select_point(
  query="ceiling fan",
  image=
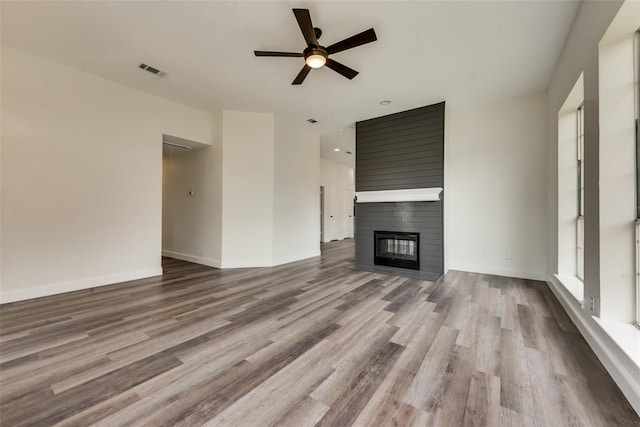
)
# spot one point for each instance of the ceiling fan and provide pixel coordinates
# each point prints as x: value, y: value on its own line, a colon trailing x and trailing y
x: 315, y: 55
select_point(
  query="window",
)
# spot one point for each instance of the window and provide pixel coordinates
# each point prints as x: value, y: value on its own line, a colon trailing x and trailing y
x: 570, y: 247
x: 580, y: 192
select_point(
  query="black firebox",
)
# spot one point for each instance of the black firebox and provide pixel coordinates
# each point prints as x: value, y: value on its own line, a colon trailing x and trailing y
x: 397, y: 249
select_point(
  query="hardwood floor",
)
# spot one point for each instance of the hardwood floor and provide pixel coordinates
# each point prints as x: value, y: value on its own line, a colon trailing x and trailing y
x: 312, y: 343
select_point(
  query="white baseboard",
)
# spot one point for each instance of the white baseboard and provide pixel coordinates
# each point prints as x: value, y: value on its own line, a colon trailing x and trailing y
x: 246, y: 263
x: 75, y: 285
x: 192, y: 258
x: 498, y: 271
x: 624, y: 371
x: 336, y: 238
x: 297, y: 257
x: 251, y: 263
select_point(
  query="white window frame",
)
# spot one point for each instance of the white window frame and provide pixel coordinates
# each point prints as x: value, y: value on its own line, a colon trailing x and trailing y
x: 580, y: 193
x: 637, y: 228
x: 636, y: 71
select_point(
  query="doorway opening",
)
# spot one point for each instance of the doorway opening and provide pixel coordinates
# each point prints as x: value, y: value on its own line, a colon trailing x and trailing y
x: 182, y: 190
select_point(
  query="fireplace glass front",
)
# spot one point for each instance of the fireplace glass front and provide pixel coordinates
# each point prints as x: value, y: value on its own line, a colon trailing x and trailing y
x: 397, y: 249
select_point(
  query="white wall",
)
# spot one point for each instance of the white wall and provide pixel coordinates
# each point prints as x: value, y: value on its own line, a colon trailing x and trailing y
x: 247, y: 189
x: 270, y: 190
x: 296, y: 205
x: 495, y: 187
x: 336, y: 179
x: 81, y: 177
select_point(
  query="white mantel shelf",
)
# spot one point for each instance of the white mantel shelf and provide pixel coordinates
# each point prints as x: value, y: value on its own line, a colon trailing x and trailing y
x: 410, y: 195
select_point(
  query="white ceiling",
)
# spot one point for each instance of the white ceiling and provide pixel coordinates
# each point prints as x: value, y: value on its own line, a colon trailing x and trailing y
x: 427, y: 51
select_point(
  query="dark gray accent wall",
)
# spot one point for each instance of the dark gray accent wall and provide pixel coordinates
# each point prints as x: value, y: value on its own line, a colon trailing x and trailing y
x: 401, y: 151
x: 396, y: 152
x: 413, y: 217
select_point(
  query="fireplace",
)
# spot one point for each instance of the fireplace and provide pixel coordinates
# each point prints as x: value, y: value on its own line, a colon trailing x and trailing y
x: 397, y: 249
x: 399, y: 179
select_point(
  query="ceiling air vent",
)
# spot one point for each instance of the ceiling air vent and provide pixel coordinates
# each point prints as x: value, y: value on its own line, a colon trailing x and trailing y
x: 152, y: 70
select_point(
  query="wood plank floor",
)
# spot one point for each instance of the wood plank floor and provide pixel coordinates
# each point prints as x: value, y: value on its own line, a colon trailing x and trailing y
x: 312, y: 343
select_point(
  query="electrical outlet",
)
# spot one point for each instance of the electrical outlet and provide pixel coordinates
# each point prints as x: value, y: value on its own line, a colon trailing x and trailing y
x: 593, y: 304
x: 485, y: 253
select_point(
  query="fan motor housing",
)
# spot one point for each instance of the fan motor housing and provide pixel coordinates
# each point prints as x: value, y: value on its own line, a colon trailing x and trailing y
x: 315, y: 50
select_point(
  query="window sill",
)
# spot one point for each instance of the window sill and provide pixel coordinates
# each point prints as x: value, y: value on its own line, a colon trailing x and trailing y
x: 574, y: 286
x: 624, y: 335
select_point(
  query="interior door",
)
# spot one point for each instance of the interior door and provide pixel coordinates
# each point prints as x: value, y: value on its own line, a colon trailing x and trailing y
x: 321, y: 214
x: 347, y: 214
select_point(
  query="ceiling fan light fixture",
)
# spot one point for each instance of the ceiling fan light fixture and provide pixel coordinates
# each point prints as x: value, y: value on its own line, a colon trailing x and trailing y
x: 316, y: 60
x: 315, y: 57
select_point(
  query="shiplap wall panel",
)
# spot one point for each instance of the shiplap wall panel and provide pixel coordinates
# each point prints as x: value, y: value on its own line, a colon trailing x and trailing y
x: 401, y: 151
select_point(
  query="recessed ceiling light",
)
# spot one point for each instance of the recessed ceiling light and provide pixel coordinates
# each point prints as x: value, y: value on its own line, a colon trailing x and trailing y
x: 348, y: 152
x: 312, y: 120
x: 336, y: 149
x: 385, y: 102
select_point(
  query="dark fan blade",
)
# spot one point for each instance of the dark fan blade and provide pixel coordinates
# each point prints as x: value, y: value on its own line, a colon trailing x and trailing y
x: 341, y: 69
x: 301, y: 75
x: 304, y: 21
x: 353, y: 41
x: 286, y: 54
